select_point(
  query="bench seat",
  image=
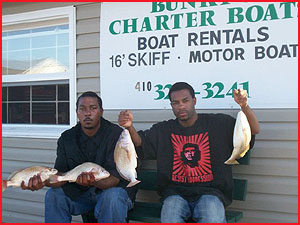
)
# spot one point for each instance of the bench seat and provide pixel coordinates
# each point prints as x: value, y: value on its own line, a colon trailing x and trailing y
x: 149, y: 212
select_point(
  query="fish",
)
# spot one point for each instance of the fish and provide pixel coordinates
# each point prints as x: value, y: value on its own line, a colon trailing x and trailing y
x: 71, y: 176
x: 16, y: 178
x: 241, y: 138
x: 125, y: 158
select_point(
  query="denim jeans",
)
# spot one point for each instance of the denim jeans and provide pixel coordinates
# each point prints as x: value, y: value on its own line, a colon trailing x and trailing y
x: 111, y: 205
x: 208, y: 209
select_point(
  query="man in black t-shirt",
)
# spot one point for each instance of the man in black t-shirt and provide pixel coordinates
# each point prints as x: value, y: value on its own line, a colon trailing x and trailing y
x: 93, y: 139
x: 193, y: 180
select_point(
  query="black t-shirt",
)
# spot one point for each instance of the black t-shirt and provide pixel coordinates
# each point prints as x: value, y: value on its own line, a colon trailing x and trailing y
x: 190, y: 160
x: 75, y: 148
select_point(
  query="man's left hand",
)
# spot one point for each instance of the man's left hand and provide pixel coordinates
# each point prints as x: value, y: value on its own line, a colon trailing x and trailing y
x: 241, y: 97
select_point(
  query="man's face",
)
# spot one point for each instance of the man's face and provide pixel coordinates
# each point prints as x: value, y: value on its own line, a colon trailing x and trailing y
x: 89, y: 112
x: 189, y: 153
x: 183, y: 105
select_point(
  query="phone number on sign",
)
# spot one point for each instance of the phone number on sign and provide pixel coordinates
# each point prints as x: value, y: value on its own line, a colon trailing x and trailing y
x: 208, y: 89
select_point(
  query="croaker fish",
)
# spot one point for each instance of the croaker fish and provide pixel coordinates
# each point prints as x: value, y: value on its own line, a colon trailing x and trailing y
x: 71, y: 176
x: 126, y: 158
x: 241, y: 138
x: 16, y: 178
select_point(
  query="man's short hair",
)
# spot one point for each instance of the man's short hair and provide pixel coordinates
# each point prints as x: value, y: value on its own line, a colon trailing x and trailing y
x: 181, y: 86
x: 89, y: 94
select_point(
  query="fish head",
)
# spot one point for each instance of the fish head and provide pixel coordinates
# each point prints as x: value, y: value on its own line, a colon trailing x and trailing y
x: 100, y: 173
x: 105, y: 174
x: 52, y: 171
x: 125, y: 138
x: 47, y: 172
x: 125, y: 134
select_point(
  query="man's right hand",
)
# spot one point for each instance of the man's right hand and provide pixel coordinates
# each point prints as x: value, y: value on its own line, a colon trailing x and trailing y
x: 125, y: 119
x: 86, y: 179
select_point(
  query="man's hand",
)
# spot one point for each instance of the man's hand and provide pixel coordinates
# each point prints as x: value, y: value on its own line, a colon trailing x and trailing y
x: 86, y: 179
x: 125, y: 119
x: 35, y: 183
x: 241, y: 97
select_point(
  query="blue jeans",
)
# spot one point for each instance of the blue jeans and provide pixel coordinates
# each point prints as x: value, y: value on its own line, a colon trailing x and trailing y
x: 111, y: 205
x: 208, y: 209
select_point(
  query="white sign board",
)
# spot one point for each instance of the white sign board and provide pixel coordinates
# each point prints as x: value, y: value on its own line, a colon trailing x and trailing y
x: 145, y: 47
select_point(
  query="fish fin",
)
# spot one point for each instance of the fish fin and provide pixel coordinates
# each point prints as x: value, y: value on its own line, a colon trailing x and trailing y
x: 14, y: 173
x: 245, y: 151
x: 128, y: 154
x: 136, y: 156
x: 231, y: 162
x: 4, y: 185
x: 133, y: 183
x: 127, y: 150
x: 132, y: 160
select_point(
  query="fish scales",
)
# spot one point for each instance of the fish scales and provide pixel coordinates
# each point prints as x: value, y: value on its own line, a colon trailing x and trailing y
x: 71, y: 176
x: 125, y: 158
x: 241, y: 138
x: 16, y: 178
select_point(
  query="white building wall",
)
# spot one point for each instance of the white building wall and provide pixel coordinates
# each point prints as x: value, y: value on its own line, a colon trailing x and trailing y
x: 272, y: 174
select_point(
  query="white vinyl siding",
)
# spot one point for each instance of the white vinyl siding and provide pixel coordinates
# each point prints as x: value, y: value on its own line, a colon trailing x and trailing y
x: 272, y: 174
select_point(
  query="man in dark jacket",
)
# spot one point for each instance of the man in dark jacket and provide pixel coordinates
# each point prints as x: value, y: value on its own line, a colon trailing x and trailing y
x: 93, y: 139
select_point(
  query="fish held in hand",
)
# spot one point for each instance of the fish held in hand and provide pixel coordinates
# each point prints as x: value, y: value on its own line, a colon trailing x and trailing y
x: 126, y: 158
x: 16, y: 178
x: 71, y: 176
x: 241, y: 138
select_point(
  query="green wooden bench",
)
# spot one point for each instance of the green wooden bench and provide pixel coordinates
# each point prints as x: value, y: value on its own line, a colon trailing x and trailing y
x: 149, y: 212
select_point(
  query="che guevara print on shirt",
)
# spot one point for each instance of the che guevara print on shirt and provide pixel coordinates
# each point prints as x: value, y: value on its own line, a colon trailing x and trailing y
x: 191, y: 162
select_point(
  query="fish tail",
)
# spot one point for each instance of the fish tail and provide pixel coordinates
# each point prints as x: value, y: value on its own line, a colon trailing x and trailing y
x: 132, y: 183
x: 231, y: 162
x: 4, y: 185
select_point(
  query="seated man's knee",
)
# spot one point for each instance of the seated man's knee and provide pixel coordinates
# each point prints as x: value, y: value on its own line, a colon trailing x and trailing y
x: 175, y: 210
x: 53, y: 194
x: 174, y: 200
x: 115, y: 193
x: 209, y: 209
x: 112, y: 205
x: 113, y: 197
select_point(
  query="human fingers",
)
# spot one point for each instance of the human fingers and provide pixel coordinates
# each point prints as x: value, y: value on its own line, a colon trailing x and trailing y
x: 23, y: 186
x: 122, y: 120
x: 243, y: 93
x: 82, y: 179
x: 79, y: 179
x: 30, y: 183
x: 91, y: 177
x: 37, y: 182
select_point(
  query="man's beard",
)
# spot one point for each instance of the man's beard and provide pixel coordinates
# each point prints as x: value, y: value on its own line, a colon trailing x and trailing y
x: 89, y: 128
x: 184, y: 118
